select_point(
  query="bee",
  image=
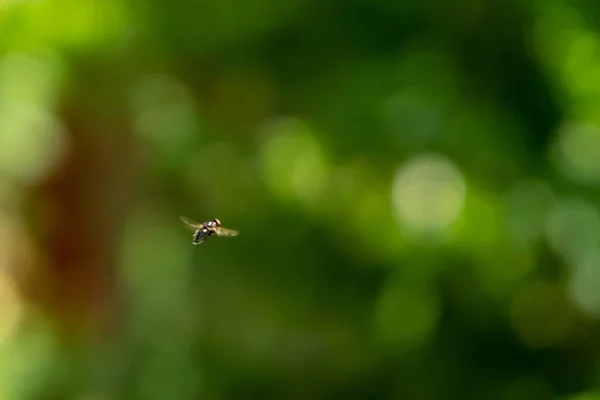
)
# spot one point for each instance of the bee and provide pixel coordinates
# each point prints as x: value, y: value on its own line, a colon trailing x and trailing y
x: 206, y: 229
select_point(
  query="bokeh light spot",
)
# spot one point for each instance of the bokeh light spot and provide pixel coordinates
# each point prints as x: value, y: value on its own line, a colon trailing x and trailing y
x: 573, y: 228
x: 499, y: 274
x: 584, y: 284
x: 540, y: 315
x: 294, y: 165
x: 155, y: 258
x: 164, y: 110
x: 528, y: 204
x: 578, y: 147
x: 32, y: 143
x: 11, y: 307
x: 428, y: 193
x: 30, y: 360
x: 30, y: 79
x: 32, y: 140
x: 413, y: 118
x: 91, y: 23
x: 405, y: 316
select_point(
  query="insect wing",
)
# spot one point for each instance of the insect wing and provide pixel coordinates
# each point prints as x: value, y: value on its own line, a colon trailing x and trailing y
x: 224, y: 232
x: 191, y: 224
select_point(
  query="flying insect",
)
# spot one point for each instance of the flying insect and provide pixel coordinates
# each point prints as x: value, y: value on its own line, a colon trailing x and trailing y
x: 205, y: 229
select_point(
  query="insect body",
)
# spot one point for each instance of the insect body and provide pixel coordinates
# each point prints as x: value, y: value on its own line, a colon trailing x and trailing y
x: 208, y: 228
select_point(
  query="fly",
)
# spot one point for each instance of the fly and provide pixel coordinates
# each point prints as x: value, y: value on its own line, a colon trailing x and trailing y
x: 206, y: 229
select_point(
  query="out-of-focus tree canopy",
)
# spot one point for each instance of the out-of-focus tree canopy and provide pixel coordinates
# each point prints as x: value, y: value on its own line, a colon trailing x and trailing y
x: 415, y: 185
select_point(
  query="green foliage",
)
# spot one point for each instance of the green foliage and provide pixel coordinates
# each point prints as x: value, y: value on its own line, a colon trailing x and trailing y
x: 415, y: 185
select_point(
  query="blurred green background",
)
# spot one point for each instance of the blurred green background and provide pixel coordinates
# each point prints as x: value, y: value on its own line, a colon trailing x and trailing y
x: 416, y: 184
